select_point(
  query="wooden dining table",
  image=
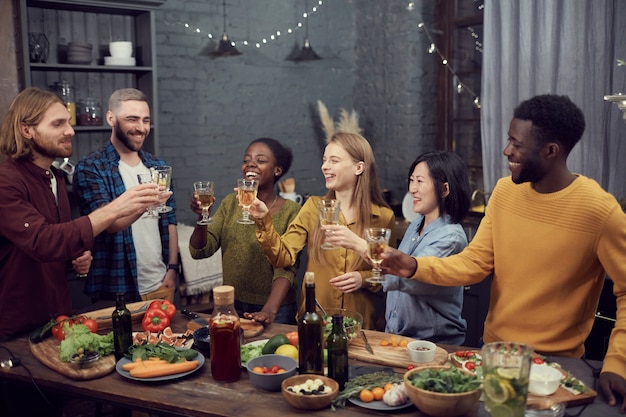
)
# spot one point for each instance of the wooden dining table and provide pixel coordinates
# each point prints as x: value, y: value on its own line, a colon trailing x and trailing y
x: 199, y: 395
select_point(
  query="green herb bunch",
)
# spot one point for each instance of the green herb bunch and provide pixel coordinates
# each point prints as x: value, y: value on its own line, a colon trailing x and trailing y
x: 448, y: 380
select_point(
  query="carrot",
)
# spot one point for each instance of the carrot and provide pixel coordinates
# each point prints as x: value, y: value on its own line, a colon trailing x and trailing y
x: 143, y: 363
x: 163, y: 369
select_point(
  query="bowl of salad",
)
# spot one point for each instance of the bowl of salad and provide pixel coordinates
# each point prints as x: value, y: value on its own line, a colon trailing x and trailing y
x: 352, y: 322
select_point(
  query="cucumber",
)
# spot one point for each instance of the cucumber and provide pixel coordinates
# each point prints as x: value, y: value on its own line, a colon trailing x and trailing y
x: 272, y: 344
x: 42, y: 332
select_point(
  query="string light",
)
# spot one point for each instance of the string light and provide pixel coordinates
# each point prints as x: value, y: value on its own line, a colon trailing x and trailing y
x: 432, y: 48
x: 264, y: 40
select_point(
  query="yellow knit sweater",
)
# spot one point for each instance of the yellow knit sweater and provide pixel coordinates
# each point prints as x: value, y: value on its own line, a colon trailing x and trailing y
x: 549, y: 254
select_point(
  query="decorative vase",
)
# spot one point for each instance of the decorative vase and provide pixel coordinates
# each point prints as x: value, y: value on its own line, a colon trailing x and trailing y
x: 39, y: 47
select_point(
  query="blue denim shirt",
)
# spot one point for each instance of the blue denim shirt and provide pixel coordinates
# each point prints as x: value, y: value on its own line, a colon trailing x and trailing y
x: 97, y: 181
x: 426, y: 311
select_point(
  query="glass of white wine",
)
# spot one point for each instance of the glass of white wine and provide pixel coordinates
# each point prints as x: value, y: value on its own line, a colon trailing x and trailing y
x: 147, y: 179
x: 205, y: 192
x: 377, y: 241
x: 247, y: 193
x: 164, y: 179
x: 329, y: 215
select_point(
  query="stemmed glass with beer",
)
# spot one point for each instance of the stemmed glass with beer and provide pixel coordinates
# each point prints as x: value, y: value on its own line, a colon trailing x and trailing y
x: 147, y: 179
x: 377, y: 242
x: 205, y: 192
x: 247, y: 193
x: 163, y: 177
x: 329, y: 210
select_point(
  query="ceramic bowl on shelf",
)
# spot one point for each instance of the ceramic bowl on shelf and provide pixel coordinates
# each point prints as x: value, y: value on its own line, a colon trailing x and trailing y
x: 126, y: 62
x: 121, y: 49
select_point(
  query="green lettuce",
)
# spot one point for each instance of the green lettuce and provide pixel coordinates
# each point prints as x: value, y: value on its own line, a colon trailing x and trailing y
x: 79, y: 336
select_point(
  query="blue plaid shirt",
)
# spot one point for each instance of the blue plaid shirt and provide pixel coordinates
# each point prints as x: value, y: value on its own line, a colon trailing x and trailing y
x: 97, y: 181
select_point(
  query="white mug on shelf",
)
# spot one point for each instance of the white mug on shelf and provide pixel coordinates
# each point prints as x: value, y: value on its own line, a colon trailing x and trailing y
x: 293, y: 197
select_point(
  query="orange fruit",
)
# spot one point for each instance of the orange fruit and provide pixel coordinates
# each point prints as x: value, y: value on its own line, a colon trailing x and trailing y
x: 388, y: 386
x: 378, y: 393
x: 366, y: 396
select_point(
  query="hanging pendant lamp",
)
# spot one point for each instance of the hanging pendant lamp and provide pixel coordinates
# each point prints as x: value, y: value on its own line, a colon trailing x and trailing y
x: 226, y: 47
x: 306, y: 53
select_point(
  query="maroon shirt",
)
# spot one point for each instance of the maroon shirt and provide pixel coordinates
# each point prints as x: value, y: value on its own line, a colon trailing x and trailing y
x: 37, y: 240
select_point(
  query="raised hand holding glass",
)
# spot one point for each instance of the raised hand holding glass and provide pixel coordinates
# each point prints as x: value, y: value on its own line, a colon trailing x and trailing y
x: 329, y: 210
x: 247, y: 193
x: 164, y: 179
x: 147, y: 179
x: 377, y: 242
x: 205, y: 192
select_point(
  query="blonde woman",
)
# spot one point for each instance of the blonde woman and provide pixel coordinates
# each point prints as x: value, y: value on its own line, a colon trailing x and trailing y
x: 349, y: 170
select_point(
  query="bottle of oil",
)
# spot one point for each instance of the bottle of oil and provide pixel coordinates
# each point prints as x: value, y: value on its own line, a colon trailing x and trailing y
x: 310, y: 333
x: 337, y: 345
x: 122, y: 327
x: 224, y: 328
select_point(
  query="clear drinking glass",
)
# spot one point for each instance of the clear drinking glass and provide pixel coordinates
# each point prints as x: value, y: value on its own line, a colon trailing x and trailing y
x: 377, y: 242
x: 506, y: 368
x: 205, y: 191
x: 329, y: 214
x: 164, y: 179
x: 247, y: 194
x: 146, y: 179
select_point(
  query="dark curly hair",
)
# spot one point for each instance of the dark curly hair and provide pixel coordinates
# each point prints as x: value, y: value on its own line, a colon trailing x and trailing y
x: 555, y: 119
x: 282, y: 154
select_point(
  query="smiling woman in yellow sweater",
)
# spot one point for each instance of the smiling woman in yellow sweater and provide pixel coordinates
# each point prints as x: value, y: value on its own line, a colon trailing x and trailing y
x: 550, y: 237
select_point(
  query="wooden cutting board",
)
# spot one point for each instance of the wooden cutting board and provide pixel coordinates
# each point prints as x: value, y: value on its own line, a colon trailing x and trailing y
x: 397, y: 357
x: 103, y: 316
x: 250, y: 328
x: 47, y: 352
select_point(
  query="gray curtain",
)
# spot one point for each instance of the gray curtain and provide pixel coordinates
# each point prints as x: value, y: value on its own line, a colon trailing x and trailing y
x: 567, y: 47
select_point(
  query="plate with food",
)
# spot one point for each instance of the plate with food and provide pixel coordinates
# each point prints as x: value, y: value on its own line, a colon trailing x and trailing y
x: 158, y: 370
x: 470, y: 360
x: 379, y: 405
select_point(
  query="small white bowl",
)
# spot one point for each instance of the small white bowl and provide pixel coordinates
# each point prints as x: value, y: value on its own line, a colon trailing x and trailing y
x: 421, y: 351
x: 544, y: 379
x: 121, y: 49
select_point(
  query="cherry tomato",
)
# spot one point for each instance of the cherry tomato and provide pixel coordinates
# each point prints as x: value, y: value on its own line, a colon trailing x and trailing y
x: 470, y: 366
x: 538, y: 360
x: 265, y: 369
x: 274, y: 369
x: 91, y: 324
x: 460, y: 353
x: 61, y: 335
x: 408, y: 368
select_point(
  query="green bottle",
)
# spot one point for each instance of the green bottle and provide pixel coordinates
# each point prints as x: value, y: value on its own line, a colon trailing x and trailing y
x: 337, y: 345
x: 122, y: 327
x: 310, y: 334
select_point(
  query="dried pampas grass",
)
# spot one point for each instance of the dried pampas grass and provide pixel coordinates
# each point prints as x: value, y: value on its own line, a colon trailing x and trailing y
x: 348, y: 121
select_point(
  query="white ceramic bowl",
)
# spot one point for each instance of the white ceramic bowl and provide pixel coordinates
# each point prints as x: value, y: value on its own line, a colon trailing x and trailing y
x: 121, y: 49
x: 113, y: 60
x: 421, y: 351
x: 544, y: 379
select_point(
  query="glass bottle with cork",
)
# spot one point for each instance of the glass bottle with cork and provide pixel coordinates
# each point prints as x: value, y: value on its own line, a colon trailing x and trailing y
x: 122, y: 327
x: 337, y: 345
x: 224, y: 328
x: 310, y: 333
x: 64, y: 90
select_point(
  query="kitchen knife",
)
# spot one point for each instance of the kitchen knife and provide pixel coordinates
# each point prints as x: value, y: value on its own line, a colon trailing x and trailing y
x: 195, y: 320
x: 368, y: 347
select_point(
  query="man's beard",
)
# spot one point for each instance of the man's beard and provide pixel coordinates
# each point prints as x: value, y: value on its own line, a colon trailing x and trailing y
x: 51, y: 152
x: 125, y: 140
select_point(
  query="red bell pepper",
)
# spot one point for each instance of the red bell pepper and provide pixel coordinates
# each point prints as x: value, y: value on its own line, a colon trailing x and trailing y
x: 164, y: 305
x: 155, y: 320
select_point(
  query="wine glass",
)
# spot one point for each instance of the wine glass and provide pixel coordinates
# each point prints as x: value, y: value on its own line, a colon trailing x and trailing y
x: 329, y: 214
x: 247, y: 193
x: 377, y: 242
x: 204, y: 189
x: 164, y: 179
x: 147, y: 179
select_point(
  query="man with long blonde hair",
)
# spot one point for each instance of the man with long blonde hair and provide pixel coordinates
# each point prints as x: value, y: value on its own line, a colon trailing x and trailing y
x: 38, y: 238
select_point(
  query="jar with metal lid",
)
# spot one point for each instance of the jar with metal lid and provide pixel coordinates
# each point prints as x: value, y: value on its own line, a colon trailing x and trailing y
x: 89, y: 112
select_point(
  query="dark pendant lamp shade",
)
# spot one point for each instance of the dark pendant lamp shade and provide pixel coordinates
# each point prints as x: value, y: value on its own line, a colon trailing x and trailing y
x: 225, y: 47
x: 306, y: 53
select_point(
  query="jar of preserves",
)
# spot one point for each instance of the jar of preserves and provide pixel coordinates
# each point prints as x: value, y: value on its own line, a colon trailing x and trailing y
x: 89, y: 112
x: 64, y: 90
